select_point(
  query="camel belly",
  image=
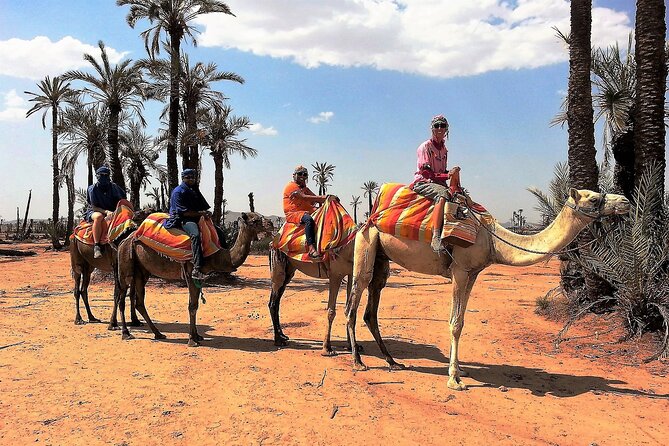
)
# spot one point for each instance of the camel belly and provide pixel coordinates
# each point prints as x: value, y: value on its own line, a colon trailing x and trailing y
x: 412, y: 255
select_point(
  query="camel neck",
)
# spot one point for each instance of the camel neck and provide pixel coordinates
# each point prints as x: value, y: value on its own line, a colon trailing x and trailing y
x: 240, y: 250
x: 562, y: 231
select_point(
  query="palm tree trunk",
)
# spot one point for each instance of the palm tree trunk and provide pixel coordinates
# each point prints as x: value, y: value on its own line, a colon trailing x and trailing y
x: 54, y: 163
x: 172, y: 167
x: 370, y: 203
x: 190, y: 155
x: 114, y: 160
x: 69, y: 181
x: 355, y: 214
x: 651, y: 77
x: 583, y: 170
x: 623, y: 154
x: 218, y: 187
x: 135, y: 187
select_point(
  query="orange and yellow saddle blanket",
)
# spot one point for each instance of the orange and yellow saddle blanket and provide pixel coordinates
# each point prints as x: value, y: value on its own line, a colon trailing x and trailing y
x: 400, y: 211
x: 119, y: 223
x: 334, y: 229
x: 175, y: 243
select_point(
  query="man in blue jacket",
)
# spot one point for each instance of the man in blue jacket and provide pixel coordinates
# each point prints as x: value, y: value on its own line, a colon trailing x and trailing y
x: 187, y: 205
x: 103, y: 196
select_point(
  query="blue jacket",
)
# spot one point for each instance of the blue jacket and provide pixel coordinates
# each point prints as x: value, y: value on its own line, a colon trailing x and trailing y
x: 182, y: 199
x: 103, y: 196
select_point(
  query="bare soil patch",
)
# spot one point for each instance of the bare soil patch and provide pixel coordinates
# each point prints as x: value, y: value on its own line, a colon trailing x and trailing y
x: 62, y: 384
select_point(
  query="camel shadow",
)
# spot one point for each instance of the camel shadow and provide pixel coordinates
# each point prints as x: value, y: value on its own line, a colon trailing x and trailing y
x: 538, y: 382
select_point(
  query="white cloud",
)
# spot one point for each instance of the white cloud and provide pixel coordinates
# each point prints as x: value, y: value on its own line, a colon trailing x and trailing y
x: 39, y: 57
x: 322, y: 117
x: 14, y: 107
x: 258, y: 129
x: 428, y: 37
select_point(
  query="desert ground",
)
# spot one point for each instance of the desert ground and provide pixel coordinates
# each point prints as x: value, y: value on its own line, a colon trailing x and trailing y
x: 66, y: 384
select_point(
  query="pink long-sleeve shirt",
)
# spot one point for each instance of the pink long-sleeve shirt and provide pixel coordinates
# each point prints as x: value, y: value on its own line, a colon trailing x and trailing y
x: 434, y: 154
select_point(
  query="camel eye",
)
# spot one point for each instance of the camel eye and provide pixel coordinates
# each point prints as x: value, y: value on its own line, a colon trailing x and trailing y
x: 593, y: 199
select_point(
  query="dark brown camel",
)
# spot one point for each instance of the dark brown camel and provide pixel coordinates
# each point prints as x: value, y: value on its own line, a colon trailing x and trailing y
x: 138, y: 262
x: 83, y: 264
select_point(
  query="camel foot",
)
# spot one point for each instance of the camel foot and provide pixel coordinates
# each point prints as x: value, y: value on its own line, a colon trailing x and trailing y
x: 282, y: 336
x: 394, y: 366
x: 158, y: 336
x: 329, y: 351
x: 127, y: 336
x: 193, y: 343
x: 94, y: 320
x: 79, y: 321
x: 359, y: 366
x: 198, y: 337
x: 280, y: 342
x: 456, y: 384
x: 136, y: 323
x: 113, y: 327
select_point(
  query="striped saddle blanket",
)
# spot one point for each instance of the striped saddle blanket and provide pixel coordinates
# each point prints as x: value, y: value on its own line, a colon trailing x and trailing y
x: 334, y: 229
x: 175, y: 243
x: 119, y: 223
x: 400, y: 211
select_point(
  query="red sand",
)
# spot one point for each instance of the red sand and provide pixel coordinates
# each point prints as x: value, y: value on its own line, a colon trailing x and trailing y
x: 63, y: 384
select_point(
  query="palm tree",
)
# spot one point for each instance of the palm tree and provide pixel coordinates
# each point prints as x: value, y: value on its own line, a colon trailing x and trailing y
x: 53, y: 94
x: 370, y: 188
x: 171, y: 17
x: 139, y: 154
x: 84, y: 129
x: 614, y: 79
x: 581, y: 155
x: 221, y: 135
x: 119, y: 89
x: 355, y: 203
x: 323, y: 173
x: 651, y: 77
x: 67, y: 175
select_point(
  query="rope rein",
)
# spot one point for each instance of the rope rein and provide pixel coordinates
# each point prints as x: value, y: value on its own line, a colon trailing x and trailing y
x: 592, y: 212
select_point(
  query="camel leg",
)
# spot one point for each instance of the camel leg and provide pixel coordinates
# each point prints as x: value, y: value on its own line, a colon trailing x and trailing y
x: 141, y: 278
x: 194, y: 337
x: 349, y: 285
x: 85, y: 281
x: 463, y: 283
x: 76, y: 275
x: 366, y: 242
x: 120, y: 303
x: 282, y: 273
x: 379, y: 280
x: 335, y: 283
x: 134, y: 320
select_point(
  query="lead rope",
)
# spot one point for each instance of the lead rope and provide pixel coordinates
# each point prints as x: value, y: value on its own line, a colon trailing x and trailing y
x: 196, y: 282
x: 563, y: 251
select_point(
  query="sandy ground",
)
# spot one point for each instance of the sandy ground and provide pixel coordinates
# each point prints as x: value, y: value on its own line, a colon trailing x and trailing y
x: 62, y: 384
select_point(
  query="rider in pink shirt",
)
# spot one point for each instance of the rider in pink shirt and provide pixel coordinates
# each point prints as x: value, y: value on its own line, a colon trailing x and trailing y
x: 430, y: 179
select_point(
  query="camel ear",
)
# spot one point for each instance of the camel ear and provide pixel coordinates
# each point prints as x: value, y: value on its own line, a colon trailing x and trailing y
x: 573, y: 193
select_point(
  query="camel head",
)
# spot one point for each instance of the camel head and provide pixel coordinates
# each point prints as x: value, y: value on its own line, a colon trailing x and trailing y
x: 596, y: 205
x: 257, y: 223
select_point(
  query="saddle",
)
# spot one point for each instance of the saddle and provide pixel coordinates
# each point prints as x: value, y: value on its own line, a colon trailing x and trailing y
x: 334, y: 229
x: 174, y: 243
x: 400, y: 211
x: 120, y: 223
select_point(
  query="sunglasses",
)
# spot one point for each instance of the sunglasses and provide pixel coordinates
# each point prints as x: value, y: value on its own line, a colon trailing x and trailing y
x: 440, y: 126
x: 305, y: 175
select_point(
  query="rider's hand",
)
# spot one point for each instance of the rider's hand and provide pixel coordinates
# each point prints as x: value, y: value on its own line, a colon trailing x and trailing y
x: 454, y: 170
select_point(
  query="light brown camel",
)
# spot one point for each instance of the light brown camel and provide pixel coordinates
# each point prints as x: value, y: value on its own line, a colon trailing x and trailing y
x: 138, y: 262
x: 83, y: 264
x: 373, y: 249
x: 282, y: 270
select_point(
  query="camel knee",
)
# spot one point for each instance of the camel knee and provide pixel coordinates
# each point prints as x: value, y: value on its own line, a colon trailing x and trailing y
x: 456, y: 328
x: 331, y: 314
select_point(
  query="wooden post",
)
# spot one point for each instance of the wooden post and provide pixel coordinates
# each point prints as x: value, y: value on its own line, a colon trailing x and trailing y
x: 25, y: 218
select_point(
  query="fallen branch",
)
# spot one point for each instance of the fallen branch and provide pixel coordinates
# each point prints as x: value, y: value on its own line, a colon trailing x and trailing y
x: 322, y: 379
x: 11, y: 345
x: 16, y: 252
x: 25, y: 305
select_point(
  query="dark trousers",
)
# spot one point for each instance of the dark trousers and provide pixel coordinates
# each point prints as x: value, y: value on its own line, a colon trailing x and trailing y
x: 193, y: 231
x: 309, y: 229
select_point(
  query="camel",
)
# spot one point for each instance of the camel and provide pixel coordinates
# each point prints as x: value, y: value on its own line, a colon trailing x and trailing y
x: 374, y: 249
x: 282, y: 269
x: 137, y: 263
x: 83, y: 264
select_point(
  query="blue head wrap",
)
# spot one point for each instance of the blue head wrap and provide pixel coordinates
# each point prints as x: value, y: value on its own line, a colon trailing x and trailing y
x: 189, y: 173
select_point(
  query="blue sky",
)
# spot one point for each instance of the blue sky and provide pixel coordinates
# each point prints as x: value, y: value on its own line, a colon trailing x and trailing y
x: 350, y: 82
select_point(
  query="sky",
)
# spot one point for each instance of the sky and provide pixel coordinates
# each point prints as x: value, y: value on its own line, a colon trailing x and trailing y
x: 353, y: 83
